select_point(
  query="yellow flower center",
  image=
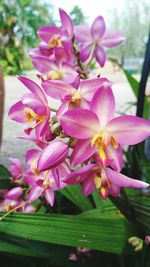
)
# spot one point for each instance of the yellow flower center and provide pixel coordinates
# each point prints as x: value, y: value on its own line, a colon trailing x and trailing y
x: 54, y: 41
x: 33, y: 167
x: 76, y: 98
x: 54, y: 75
x: 102, y: 183
x: 30, y: 116
x: 101, y: 140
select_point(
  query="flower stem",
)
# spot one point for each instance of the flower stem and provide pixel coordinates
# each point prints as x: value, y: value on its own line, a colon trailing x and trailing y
x: 53, y: 109
x: 80, y: 64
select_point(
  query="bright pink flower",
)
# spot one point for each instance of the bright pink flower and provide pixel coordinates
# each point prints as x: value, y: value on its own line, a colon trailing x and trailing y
x: 100, y: 128
x: 9, y: 204
x: 33, y: 106
x: 106, y: 180
x: 54, y: 70
x: 14, y: 199
x: 94, y: 40
x: 52, y: 178
x: 58, y: 37
x: 52, y: 155
x: 72, y: 97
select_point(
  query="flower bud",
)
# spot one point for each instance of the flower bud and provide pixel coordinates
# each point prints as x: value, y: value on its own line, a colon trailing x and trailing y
x: 54, y: 154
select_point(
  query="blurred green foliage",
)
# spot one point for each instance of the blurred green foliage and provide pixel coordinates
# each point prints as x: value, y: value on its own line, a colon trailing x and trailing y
x: 77, y: 15
x: 19, y: 21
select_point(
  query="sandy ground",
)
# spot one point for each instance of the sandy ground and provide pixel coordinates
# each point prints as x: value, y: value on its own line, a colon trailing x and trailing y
x: 14, y: 147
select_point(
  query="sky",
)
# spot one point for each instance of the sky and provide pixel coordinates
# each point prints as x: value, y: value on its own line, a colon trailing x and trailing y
x: 91, y: 8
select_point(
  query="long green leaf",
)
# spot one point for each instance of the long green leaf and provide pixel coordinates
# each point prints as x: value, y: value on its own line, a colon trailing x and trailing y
x: 104, y: 234
x: 135, y: 87
x: 74, y: 194
x: 5, y: 181
x: 99, y: 203
x: 133, y: 82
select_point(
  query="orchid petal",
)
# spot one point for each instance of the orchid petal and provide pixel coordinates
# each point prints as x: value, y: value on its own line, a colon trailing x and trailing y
x: 114, y: 190
x: 124, y: 181
x: 63, y: 107
x: 45, y: 49
x: 43, y: 64
x: 42, y: 130
x: 57, y: 89
x: 66, y: 22
x: 14, y: 193
x: 35, y: 193
x: 34, y: 88
x: 86, y: 52
x: 16, y: 169
x: 69, y: 74
x: 31, y: 155
x: 32, y: 101
x: 90, y: 86
x: 115, y: 156
x: 30, y: 209
x: 100, y: 55
x: 75, y: 123
x: 82, y: 33
x: 60, y: 173
x: 30, y: 179
x: 111, y: 39
x: 82, y: 151
x: 79, y: 175
x: 129, y: 130
x: 35, y: 52
x: 46, y: 32
x: 49, y: 195
x: 16, y: 112
x: 103, y: 104
x: 98, y: 28
x: 88, y: 186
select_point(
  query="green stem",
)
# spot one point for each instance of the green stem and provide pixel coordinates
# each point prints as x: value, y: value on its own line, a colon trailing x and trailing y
x: 80, y: 64
x: 53, y: 109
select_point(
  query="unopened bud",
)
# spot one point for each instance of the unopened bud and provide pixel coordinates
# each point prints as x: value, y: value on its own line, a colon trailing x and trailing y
x: 136, y: 242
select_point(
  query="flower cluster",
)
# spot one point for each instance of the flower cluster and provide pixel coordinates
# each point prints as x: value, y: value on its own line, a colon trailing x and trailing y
x: 81, y: 142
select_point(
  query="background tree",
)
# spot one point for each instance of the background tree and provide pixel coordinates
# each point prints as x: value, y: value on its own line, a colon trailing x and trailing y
x: 19, y: 21
x: 133, y: 22
x: 77, y: 15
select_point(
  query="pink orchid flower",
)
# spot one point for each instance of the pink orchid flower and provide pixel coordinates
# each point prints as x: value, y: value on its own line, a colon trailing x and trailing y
x: 95, y: 40
x: 54, y: 70
x: 96, y: 128
x: 33, y: 107
x: 10, y: 204
x: 106, y: 180
x: 58, y: 37
x: 72, y: 97
x: 14, y: 199
x: 46, y: 172
x: 16, y: 169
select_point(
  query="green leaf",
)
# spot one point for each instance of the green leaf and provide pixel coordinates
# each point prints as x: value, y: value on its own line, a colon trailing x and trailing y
x: 137, y: 210
x: 133, y: 82
x: 74, y: 194
x: 103, y: 234
x: 5, y: 181
x: 135, y: 88
x: 99, y: 203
